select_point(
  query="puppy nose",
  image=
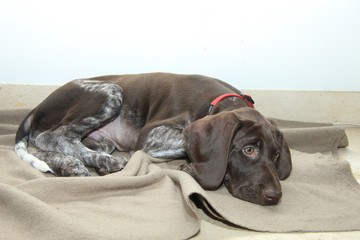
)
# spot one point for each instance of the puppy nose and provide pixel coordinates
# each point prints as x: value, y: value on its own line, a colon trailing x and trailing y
x: 271, y: 196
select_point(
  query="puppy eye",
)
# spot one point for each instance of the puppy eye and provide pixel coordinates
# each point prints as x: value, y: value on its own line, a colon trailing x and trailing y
x: 277, y: 156
x: 249, y: 150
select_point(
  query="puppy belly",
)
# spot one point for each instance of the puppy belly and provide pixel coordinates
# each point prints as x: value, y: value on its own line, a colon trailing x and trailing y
x: 121, y: 133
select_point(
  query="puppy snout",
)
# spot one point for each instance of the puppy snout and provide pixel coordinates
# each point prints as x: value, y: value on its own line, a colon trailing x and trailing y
x: 271, y: 196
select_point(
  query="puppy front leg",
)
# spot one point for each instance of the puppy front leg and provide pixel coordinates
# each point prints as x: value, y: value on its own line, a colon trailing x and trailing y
x: 162, y: 142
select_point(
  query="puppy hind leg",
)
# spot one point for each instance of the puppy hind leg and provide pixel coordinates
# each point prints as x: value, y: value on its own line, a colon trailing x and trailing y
x: 104, y: 164
x: 82, y: 119
x: 65, y: 166
x: 65, y: 141
x: 79, y: 120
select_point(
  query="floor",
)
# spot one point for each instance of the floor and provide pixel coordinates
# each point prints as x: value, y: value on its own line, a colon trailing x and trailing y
x: 16, y: 96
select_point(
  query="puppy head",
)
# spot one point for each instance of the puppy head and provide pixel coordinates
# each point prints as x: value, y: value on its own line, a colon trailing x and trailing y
x: 241, y: 148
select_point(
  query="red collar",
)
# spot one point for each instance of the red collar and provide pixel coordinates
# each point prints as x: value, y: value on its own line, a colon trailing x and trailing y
x: 246, y: 97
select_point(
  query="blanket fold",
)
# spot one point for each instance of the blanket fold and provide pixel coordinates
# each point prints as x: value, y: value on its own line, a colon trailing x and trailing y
x: 150, y: 199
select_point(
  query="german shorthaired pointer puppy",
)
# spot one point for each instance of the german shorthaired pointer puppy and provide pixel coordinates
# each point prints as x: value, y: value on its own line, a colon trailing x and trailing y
x: 167, y: 116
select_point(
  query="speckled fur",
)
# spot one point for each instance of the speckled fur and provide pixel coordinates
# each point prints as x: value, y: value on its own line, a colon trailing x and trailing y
x: 62, y: 148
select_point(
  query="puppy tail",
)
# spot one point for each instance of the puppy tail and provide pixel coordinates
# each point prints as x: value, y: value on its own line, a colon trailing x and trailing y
x: 21, y: 144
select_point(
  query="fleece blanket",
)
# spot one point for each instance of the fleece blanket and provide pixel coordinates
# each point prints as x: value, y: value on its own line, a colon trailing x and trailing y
x: 150, y: 199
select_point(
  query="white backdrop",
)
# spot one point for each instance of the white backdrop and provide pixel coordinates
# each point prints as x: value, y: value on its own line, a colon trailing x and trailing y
x: 291, y: 45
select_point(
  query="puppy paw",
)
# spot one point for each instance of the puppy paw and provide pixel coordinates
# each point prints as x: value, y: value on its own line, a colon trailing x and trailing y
x: 110, y: 164
x: 186, y: 168
x: 73, y: 169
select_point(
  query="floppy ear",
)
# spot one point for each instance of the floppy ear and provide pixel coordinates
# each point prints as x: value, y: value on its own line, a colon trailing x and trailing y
x: 284, y: 164
x: 207, y: 143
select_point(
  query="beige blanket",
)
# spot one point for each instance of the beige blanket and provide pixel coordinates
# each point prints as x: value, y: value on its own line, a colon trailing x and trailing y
x: 149, y: 199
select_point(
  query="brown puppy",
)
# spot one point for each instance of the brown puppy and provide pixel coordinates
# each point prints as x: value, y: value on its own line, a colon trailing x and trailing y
x: 162, y: 114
